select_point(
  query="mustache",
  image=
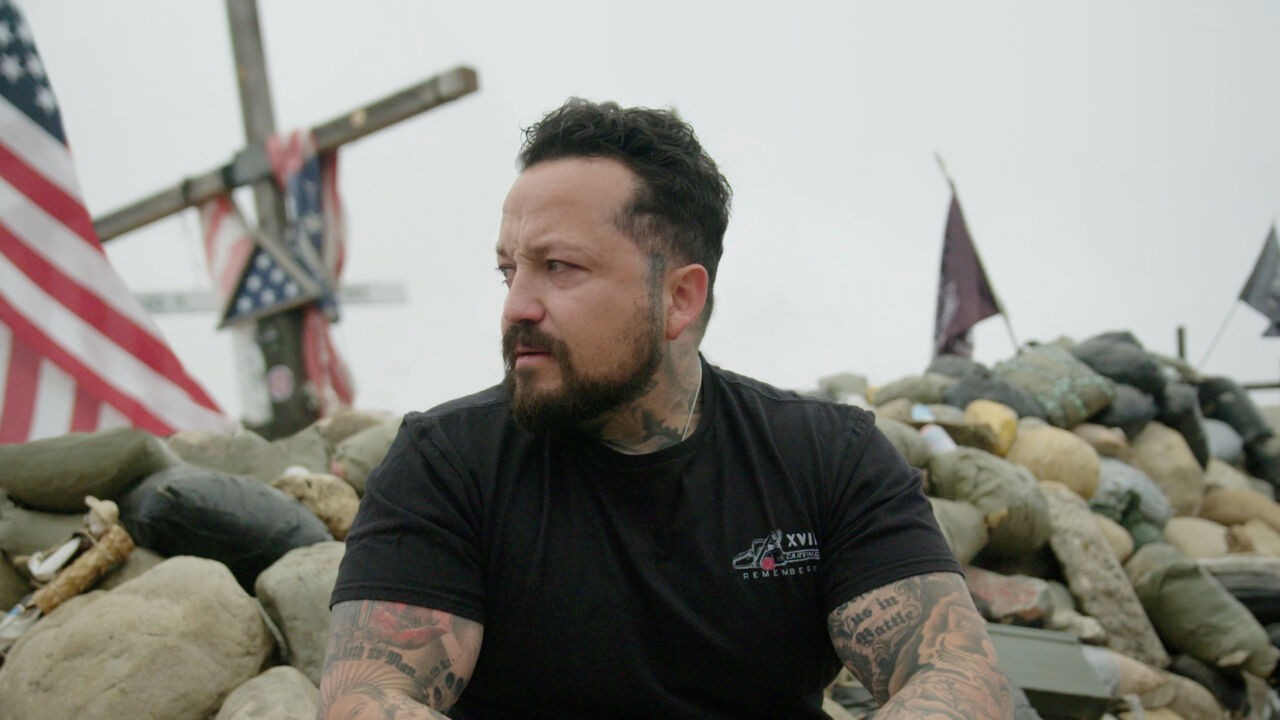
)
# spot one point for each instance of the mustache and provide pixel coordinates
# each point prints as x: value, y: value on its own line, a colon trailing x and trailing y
x: 529, y: 337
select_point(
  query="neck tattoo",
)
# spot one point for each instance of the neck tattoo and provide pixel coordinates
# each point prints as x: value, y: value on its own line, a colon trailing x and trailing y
x: 692, y: 406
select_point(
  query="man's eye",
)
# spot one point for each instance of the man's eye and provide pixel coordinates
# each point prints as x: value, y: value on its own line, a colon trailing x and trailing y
x: 506, y: 272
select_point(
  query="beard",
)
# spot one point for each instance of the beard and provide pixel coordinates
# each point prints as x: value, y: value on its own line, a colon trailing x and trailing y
x: 580, y: 398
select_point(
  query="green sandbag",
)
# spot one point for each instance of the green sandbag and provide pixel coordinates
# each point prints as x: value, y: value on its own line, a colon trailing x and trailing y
x: 1008, y: 495
x: 244, y: 452
x: 1195, y: 615
x: 55, y: 474
x: 1069, y: 390
x: 13, y: 587
x: 23, y: 531
x: 962, y: 525
x: 358, y: 455
x: 906, y: 440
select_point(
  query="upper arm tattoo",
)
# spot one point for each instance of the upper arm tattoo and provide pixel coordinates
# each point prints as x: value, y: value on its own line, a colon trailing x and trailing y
x: 389, y: 659
x: 923, y: 627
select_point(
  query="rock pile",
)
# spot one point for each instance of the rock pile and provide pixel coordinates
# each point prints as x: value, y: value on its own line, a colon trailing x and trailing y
x: 1093, y: 488
x: 1106, y: 491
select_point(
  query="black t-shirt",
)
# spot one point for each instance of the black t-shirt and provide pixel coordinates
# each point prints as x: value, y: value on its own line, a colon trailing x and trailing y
x: 693, y: 582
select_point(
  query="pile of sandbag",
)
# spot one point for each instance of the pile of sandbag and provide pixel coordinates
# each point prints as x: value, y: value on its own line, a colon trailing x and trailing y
x: 230, y: 552
x: 1106, y: 491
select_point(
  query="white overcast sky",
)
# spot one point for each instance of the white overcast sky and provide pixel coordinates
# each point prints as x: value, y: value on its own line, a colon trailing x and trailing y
x: 1118, y: 163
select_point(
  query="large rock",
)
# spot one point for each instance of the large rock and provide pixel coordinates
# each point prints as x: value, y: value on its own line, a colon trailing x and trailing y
x: 281, y: 693
x: 169, y: 644
x: 1162, y: 453
x: 1097, y: 579
x: 295, y: 592
x: 55, y: 474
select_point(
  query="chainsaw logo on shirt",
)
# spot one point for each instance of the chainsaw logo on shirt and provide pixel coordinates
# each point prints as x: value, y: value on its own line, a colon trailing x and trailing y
x: 778, y: 553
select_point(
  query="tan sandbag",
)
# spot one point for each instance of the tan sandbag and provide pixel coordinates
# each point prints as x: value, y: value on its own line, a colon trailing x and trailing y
x: 1106, y: 441
x: 1261, y: 537
x: 842, y: 385
x: 925, y: 389
x: 962, y: 525
x: 1001, y: 418
x: 347, y: 422
x: 359, y: 454
x: 906, y: 440
x: 1163, y: 455
x: 1196, y: 615
x: 243, y: 452
x: 1237, y: 506
x: 1197, y: 537
x: 899, y: 410
x: 1057, y: 455
x: 1222, y: 475
x: 974, y: 436
x: 1118, y: 538
x: 1151, y: 714
x: 23, y: 531
x: 56, y: 474
x: 1008, y: 496
x: 1190, y: 699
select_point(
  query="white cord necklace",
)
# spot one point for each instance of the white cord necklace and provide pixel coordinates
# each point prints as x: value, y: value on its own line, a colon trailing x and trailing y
x: 692, y: 406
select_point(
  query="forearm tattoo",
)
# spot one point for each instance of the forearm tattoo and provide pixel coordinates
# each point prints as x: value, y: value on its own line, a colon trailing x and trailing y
x: 391, y: 660
x: 922, y: 649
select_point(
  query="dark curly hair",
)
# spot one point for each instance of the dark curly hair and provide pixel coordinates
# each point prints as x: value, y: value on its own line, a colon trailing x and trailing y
x: 681, y: 208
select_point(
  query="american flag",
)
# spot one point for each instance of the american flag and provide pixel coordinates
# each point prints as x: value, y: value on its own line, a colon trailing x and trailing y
x: 77, y: 350
x: 254, y: 280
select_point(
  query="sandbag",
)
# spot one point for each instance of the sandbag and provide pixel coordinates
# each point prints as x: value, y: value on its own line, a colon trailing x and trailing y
x: 1228, y: 689
x: 55, y: 474
x: 1181, y: 411
x: 347, y: 422
x: 976, y: 387
x: 1225, y: 443
x: 1008, y: 496
x: 1000, y: 418
x: 1123, y: 360
x: 957, y: 366
x: 1051, y: 453
x: 1120, y: 674
x: 245, y: 524
x: 24, y: 531
x: 1197, y: 537
x: 1106, y: 441
x: 1130, y: 411
x: 1194, y: 614
x: 359, y: 454
x: 1066, y: 388
x: 1117, y: 536
x: 916, y: 388
x: 243, y: 452
x: 842, y: 385
x: 1223, y: 399
x: 1255, y: 536
x: 1163, y: 455
x: 1254, y: 580
x: 963, y: 527
x: 1262, y: 459
x: 1237, y: 506
x: 1116, y: 481
x: 905, y: 439
x: 1221, y: 475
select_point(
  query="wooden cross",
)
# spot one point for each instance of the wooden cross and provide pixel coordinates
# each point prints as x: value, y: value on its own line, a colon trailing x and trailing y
x: 278, y: 336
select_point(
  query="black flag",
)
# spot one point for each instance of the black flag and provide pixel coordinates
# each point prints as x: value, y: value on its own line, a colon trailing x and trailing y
x: 1262, y: 291
x: 964, y: 293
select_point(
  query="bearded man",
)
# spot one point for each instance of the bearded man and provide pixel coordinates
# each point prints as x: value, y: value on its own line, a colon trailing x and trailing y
x: 621, y: 529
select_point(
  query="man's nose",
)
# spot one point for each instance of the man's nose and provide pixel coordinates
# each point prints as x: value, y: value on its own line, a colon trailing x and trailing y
x: 523, y: 304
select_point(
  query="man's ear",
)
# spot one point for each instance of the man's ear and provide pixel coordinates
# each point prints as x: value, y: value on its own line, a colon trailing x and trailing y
x: 686, y: 295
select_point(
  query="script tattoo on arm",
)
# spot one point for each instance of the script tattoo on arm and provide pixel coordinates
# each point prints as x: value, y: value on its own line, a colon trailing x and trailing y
x: 922, y: 649
x: 392, y: 660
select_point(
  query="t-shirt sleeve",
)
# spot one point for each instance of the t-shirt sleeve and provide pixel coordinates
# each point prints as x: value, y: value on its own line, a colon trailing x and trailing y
x: 415, y: 538
x: 882, y: 527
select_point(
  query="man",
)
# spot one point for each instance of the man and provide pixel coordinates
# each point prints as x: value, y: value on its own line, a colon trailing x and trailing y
x: 621, y: 530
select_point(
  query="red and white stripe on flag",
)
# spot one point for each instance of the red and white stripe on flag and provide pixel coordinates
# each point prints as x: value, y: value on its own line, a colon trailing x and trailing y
x: 228, y: 243
x: 77, y: 351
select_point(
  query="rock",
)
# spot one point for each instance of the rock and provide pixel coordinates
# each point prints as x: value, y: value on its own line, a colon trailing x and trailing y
x: 1057, y: 455
x: 1197, y: 537
x: 355, y: 457
x: 1163, y: 455
x: 1262, y: 537
x: 281, y: 693
x: 55, y: 474
x: 331, y: 498
x: 1118, y: 538
x: 295, y: 592
x: 23, y: 531
x: 243, y: 452
x: 1221, y: 475
x: 1009, y: 599
x: 906, y: 439
x: 1106, y: 441
x: 1008, y: 496
x: 1097, y: 579
x: 1000, y: 418
x: 168, y: 644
